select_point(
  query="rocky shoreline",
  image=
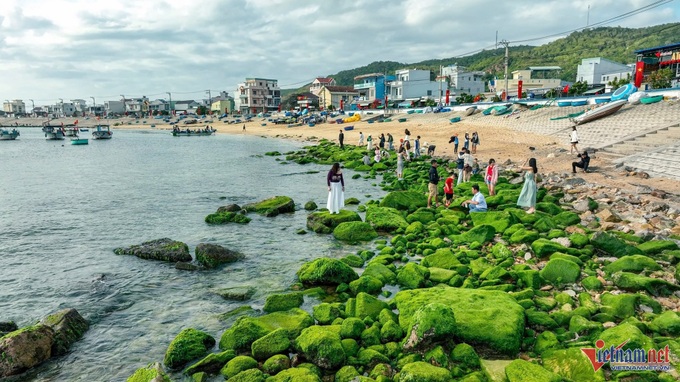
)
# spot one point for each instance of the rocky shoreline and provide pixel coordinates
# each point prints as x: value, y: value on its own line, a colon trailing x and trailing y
x: 444, y: 295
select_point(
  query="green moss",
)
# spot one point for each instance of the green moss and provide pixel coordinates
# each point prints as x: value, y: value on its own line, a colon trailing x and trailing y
x: 545, y: 247
x: 612, y: 245
x: 346, y: 374
x: 592, y: 283
x: 325, y: 313
x: 529, y: 278
x: 188, y: 345
x: 322, y: 347
x: 353, y: 261
x: 212, y: 363
x: 634, y: 282
x: 633, y: 263
x: 367, y: 306
x: 367, y: 284
x: 500, y: 220
x: 354, y: 232
x: 423, y: 372
x: 351, y: 347
x: 385, y: 219
x: 626, y: 332
x: 227, y: 217
x: 325, y: 222
x: 560, y: 271
x: 248, y: 329
x: 279, y: 302
x: 421, y: 215
x: 237, y: 365
x: 275, y: 364
x: 440, y: 275
x: 657, y: 246
x: 412, y: 276
x: 520, y: 370
x: 250, y: 375
x: 545, y: 341
x: 151, y: 373
x: 620, y: 306
x: 667, y: 324
x: 352, y: 328
x: 466, y: 356
x: 404, y: 200
x: 391, y: 331
x: 442, y: 258
x: 326, y: 271
x: 276, y: 342
x: 296, y: 374
x: 480, y: 234
x: 278, y: 204
x: 572, y: 365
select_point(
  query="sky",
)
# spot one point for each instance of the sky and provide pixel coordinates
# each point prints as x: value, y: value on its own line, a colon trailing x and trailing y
x: 78, y: 49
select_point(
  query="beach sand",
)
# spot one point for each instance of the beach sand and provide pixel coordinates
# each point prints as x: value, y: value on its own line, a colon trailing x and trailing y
x: 501, y: 143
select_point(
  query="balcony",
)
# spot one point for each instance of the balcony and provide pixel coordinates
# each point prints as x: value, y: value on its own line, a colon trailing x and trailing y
x: 364, y: 85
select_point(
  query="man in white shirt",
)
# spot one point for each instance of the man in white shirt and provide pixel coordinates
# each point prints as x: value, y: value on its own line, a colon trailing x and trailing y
x: 477, y: 203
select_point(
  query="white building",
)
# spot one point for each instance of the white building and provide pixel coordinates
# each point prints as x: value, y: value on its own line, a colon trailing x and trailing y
x: 80, y: 105
x: 462, y: 80
x: 258, y: 94
x: 320, y: 82
x: 412, y: 85
x: 15, y: 107
x: 591, y: 70
x: 114, y: 107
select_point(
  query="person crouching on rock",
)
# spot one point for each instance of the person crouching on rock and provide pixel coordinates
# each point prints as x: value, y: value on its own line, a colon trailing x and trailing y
x: 583, y: 163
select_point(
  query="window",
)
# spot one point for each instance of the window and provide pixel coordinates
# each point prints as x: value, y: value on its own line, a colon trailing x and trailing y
x: 429, y: 92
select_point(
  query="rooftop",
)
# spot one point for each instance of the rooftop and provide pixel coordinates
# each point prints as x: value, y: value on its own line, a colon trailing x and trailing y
x: 537, y: 68
x: 368, y: 75
x: 657, y: 48
x: 341, y: 89
x: 324, y: 80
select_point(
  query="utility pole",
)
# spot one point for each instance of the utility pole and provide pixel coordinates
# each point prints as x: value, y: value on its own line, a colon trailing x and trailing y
x: 588, y: 17
x: 94, y: 106
x: 507, y: 60
x: 32, y: 106
x: 62, y: 114
x: 440, y: 85
x: 170, y: 102
x: 209, y: 100
x: 124, y: 106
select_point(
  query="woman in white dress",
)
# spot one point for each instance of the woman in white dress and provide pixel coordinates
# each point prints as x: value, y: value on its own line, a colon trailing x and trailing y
x: 336, y: 189
x: 574, y: 140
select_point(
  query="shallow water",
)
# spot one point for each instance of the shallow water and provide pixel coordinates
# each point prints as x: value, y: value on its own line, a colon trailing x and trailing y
x: 63, y: 209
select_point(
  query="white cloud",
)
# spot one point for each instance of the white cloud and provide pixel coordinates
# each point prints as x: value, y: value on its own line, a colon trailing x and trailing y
x: 67, y: 49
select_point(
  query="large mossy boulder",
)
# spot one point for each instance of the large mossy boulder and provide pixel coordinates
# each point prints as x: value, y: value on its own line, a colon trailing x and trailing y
x: 276, y: 342
x: 442, y: 258
x: 633, y: 263
x: 612, y: 245
x: 69, y: 326
x: 213, y: 255
x: 188, y: 345
x: 364, y: 306
x: 523, y: 235
x: 666, y: 324
x: 480, y: 234
x: 628, y: 333
x: 326, y: 271
x: 281, y: 302
x: 385, y: 219
x: 247, y: 330
x: 151, y: 373
x: 412, y: 276
x: 500, y: 220
x: 432, y: 322
x: 322, y: 347
x: 424, y: 372
x: 566, y: 218
x: 296, y: 374
x: 212, y: 363
x: 572, y: 365
x: 486, y: 319
x: 520, y: 370
x: 162, y: 249
x: 560, y: 271
x: 25, y: 348
x: 354, y: 232
x: 272, y: 206
x: 237, y: 365
x: 653, y: 247
x: 634, y: 282
x: 325, y: 222
x: 380, y: 272
x: 421, y: 215
x: 225, y: 217
x: 404, y: 200
x: 544, y: 247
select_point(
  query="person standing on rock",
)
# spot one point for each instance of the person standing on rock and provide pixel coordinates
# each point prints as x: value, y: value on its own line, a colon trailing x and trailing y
x: 381, y: 143
x: 466, y: 142
x: 416, y: 147
x: 432, y: 185
x: 527, y: 198
x: 573, y: 138
x: 448, y: 190
x: 361, y: 138
x: 369, y: 143
x: 341, y: 139
x: 454, y: 140
x: 336, y: 189
x: 390, y: 142
x: 491, y: 176
x: 400, y: 162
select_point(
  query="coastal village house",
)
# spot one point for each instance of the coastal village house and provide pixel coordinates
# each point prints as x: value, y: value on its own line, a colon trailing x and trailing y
x: 599, y: 71
x: 330, y: 96
x: 370, y: 87
x: 80, y: 105
x: 319, y: 83
x: 258, y: 95
x: 136, y: 106
x: 536, y: 79
x: 159, y: 105
x: 185, y: 106
x: 412, y: 85
x: 461, y: 80
x: 114, y: 107
x: 660, y: 57
x: 222, y: 104
x: 14, y: 108
x: 307, y: 100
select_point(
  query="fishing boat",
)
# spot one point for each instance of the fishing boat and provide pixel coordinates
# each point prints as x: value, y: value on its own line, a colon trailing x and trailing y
x: 623, y: 92
x: 102, y: 132
x: 79, y: 141
x: 579, y: 103
x: 652, y: 99
x: 176, y: 132
x: 635, y: 98
x: 454, y: 119
x: 602, y: 100
x: 348, y: 128
x: 563, y: 103
x: 71, y: 131
x: 53, y: 132
x: 7, y: 135
x: 470, y: 110
x: 85, y: 129
x: 401, y: 120
x: 599, y: 112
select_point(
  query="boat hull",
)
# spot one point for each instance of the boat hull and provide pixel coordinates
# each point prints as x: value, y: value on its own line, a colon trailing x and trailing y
x: 470, y: 110
x: 8, y: 135
x: 648, y: 100
x: 192, y: 134
x: 579, y: 103
x: 102, y: 135
x: 79, y: 141
x: 55, y: 136
x: 599, y: 112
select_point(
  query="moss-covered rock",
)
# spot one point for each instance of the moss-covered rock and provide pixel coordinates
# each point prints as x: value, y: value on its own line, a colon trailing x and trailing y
x: 162, y: 249
x: 634, y: 282
x: 520, y: 370
x: 404, y: 200
x: 421, y: 215
x: 487, y: 319
x: 238, y: 364
x: 412, y: 276
x: 666, y: 324
x: 592, y: 283
x: 560, y: 271
x: 385, y: 219
x: 571, y: 364
x: 188, y: 345
x: 353, y: 261
x: 296, y: 374
x: 325, y: 313
x: 240, y: 293
x: 620, y: 306
x: 280, y: 302
x: 545, y: 341
x: 465, y: 355
x: 250, y: 375
x: 346, y: 374
x: 494, y: 370
x: 544, y: 247
x: 325, y: 222
x: 442, y: 258
x: 354, y: 232
x: 367, y: 284
x: 352, y: 328
x: 584, y: 327
x: 381, y: 272
x: 523, y: 236
x: 25, y: 348
x: 424, y: 372
x: 326, y: 271
x: 391, y: 331
x: 480, y: 234
x: 626, y: 332
x: 68, y: 326
x: 653, y: 247
x: 612, y: 245
x: 500, y: 220
x: 276, y: 342
x: 441, y: 275
x: 272, y: 206
x: 213, y: 255
x: 632, y: 263
x: 212, y: 363
x: 368, y: 358
x: 225, y: 217
x: 322, y: 347
x: 151, y: 373
x: 275, y: 364
x: 366, y: 305
x: 246, y: 330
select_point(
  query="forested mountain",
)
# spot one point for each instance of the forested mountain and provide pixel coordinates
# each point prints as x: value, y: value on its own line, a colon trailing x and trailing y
x: 613, y: 43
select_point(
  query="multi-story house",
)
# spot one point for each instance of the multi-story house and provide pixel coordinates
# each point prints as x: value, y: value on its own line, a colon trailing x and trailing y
x: 319, y: 83
x: 370, y: 87
x: 80, y: 105
x: 258, y: 95
x: 114, y: 107
x: 332, y: 96
x: 594, y: 70
x: 536, y: 79
x: 159, y: 105
x: 462, y: 80
x: 186, y: 106
x: 137, y: 106
x: 14, y: 108
x: 412, y: 85
x: 222, y: 104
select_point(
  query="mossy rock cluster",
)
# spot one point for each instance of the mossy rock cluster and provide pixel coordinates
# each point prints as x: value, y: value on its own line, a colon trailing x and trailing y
x: 272, y: 206
x: 325, y: 222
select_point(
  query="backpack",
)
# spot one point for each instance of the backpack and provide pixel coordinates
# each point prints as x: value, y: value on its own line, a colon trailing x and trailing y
x: 407, y: 145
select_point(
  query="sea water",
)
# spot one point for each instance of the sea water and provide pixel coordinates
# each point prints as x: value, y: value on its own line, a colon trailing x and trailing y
x: 64, y: 208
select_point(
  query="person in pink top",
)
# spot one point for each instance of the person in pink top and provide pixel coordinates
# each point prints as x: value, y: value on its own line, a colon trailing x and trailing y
x: 491, y: 176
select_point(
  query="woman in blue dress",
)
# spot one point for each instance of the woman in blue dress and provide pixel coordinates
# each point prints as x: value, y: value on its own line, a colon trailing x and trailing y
x: 527, y: 198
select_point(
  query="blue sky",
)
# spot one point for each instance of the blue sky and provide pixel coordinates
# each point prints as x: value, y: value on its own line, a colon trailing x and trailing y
x: 51, y: 49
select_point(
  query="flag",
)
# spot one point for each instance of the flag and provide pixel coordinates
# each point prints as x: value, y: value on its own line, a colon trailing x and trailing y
x: 76, y: 122
x: 639, y: 73
x: 565, y: 90
x: 448, y: 94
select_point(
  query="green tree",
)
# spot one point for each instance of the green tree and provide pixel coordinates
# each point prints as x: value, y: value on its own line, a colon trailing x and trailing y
x: 661, y: 78
x: 618, y: 82
x: 579, y: 87
x: 464, y: 98
x: 430, y: 102
x: 201, y: 110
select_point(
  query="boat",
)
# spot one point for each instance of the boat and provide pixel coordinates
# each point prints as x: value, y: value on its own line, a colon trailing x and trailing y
x: 623, y: 92
x: 579, y: 103
x: 7, y: 135
x: 370, y: 121
x: 311, y: 124
x: 563, y: 103
x: 470, y: 110
x: 348, y: 128
x: 502, y: 110
x: 410, y: 111
x: 635, y: 98
x: 71, y: 131
x: 53, y: 132
x: 401, y: 120
x: 652, y: 99
x: 454, y: 119
x: 86, y: 129
x: 602, y: 100
x: 79, y: 141
x: 176, y: 132
x: 102, y: 132
x: 599, y: 112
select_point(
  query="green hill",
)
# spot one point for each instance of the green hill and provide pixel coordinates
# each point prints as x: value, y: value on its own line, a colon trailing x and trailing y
x: 614, y: 43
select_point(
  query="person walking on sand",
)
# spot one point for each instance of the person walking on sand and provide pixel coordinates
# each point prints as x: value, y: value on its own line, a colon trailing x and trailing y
x: 573, y: 138
x: 381, y: 143
x: 475, y: 142
x: 527, y: 198
x: 369, y: 143
x: 336, y: 189
x: 466, y: 142
x: 244, y: 127
x: 341, y: 139
x: 454, y: 140
x: 390, y: 142
x: 491, y: 176
x: 407, y: 137
x: 432, y: 185
x: 477, y: 203
x: 448, y: 190
x: 361, y: 138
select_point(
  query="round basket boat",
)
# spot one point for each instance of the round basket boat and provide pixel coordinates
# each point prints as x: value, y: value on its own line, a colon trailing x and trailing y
x: 623, y: 92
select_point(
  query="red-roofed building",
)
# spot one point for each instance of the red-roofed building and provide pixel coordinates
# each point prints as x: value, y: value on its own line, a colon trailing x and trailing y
x: 320, y: 82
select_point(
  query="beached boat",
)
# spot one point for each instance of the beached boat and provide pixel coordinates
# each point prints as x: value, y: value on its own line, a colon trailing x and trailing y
x: 79, y: 141
x: 454, y: 119
x: 501, y: 110
x: 652, y: 99
x: 599, y: 112
x: 102, y: 132
x: 579, y: 103
x: 370, y: 121
x: 193, y: 133
x: 470, y: 110
x: 53, y: 132
x: 563, y: 103
x: 401, y: 120
x: 348, y: 128
x: 311, y: 124
x: 7, y: 135
x: 623, y: 92
x: 602, y: 100
x: 410, y: 111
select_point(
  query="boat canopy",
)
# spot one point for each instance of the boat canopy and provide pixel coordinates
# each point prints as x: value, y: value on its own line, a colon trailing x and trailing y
x: 594, y: 91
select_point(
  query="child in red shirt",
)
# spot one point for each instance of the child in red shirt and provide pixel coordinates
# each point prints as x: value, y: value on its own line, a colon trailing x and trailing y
x: 448, y: 190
